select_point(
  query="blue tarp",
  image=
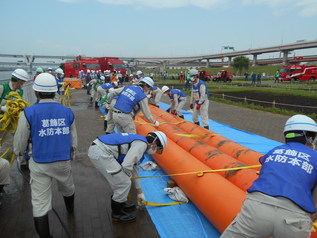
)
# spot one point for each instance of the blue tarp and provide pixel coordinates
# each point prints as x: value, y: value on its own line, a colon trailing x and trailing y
x: 185, y: 220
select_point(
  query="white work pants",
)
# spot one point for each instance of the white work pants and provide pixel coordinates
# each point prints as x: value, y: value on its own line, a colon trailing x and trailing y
x: 264, y: 216
x: 108, y: 166
x: 4, y: 172
x: 41, y: 183
x: 203, y: 111
x: 124, y: 123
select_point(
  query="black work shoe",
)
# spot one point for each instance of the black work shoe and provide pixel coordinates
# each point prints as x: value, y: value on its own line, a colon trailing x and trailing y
x: 129, y: 207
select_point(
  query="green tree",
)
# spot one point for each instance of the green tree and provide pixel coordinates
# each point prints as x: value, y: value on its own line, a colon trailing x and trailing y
x: 240, y: 63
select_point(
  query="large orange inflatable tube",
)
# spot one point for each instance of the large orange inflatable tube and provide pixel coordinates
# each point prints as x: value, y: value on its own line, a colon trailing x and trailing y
x: 210, y: 156
x: 217, y: 198
x: 229, y: 147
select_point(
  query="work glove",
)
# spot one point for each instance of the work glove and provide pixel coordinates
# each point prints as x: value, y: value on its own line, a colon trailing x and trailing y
x: 141, y: 199
x: 156, y: 123
x: 191, y: 106
x: 4, y: 108
x: 149, y: 96
x: 198, y: 106
x: 168, y: 109
x: 174, y: 112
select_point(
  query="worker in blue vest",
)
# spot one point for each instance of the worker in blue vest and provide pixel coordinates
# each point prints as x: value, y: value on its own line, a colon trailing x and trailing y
x: 282, y: 201
x: 177, y: 99
x: 117, y: 156
x: 131, y: 100
x: 51, y: 129
x: 199, y: 99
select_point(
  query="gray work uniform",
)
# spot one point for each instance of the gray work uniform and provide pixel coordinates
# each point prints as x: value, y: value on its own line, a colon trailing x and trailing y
x: 104, y: 157
x: 177, y: 103
x: 125, y: 122
x: 202, y: 99
x: 42, y: 173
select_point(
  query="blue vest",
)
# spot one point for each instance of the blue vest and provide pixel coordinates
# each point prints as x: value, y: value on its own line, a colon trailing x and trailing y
x: 128, y: 98
x: 50, y: 131
x: 289, y: 171
x: 197, y: 87
x: 120, y: 139
x: 106, y: 85
x: 178, y: 92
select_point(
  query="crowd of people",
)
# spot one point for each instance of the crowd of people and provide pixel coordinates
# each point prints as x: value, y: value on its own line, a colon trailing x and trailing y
x: 280, y: 203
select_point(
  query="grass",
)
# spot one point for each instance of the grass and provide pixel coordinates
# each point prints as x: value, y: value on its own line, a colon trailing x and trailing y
x: 304, y: 89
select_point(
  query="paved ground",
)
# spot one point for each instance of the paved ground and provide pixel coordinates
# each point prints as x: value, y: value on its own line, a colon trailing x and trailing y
x: 92, y: 216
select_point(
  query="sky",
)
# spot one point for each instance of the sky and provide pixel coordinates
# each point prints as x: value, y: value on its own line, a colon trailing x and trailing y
x: 152, y: 28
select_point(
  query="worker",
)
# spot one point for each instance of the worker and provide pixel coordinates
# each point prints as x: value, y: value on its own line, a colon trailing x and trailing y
x: 137, y: 78
x: 94, y: 83
x: 37, y: 72
x: 117, y: 156
x: 103, y: 92
x: 154, y: 96
x: 18, y: 78
x: 199, y: 99
x: 51, y: 129
x: 177, y: 100
x: 281, y: 201
x: 59, y: 76
x: 131, y: 99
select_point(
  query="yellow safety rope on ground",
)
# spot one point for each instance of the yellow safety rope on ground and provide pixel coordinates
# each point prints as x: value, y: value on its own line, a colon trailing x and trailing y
x: 315, y: 227
x: 156, y: 204
x: 201, y: 173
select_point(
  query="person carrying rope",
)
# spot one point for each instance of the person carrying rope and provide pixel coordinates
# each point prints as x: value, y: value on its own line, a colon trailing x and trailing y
x: 281, y: 201
x: 51, y: 128
x: 117, y: 156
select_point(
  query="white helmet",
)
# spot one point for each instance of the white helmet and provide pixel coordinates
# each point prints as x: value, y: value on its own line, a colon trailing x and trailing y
x: 20, y: 74
x: 59, y: 71
x: 300, y: 123
x: 45, y: 82
x: 148, y: 81
x: 193, y: 72
x: 162, y: 138
x: 139, y: 72
x: 165, y: 89
x: 102, y: 78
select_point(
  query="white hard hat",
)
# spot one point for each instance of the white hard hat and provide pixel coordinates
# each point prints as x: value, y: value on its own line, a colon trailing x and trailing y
x: 59, y: 71
x: 45, y: 82
x: 300, y: 123
x: 115, y: 84
x: 102, y: 78
x: 20, y: 74
x: 131, y: 75
x: 162, y: 138
x: 148, y: 81
x: 165, y: 89
x: 193, y: 72
x: 139, y: 72
x: 88, y: 71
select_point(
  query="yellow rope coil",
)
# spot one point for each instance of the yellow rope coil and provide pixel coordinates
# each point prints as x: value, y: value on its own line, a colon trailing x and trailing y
x: 9, y: 120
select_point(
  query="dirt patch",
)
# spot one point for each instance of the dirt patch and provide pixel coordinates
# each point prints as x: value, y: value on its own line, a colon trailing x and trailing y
x: 298, y: 104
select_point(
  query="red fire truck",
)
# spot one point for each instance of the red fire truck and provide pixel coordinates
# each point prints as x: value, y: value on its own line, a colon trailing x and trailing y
x: 298, y: 72
x: 112, y: 64
x: 72, y: 68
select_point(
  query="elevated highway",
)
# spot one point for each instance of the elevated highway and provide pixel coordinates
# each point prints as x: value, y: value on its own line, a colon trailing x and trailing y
x: 29, y: 60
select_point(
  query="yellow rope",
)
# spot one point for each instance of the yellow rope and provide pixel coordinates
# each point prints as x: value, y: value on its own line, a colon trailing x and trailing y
x: 200, y: 173
x: 9, y: 119
x: 156, y: 204
x: 66, y: 95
